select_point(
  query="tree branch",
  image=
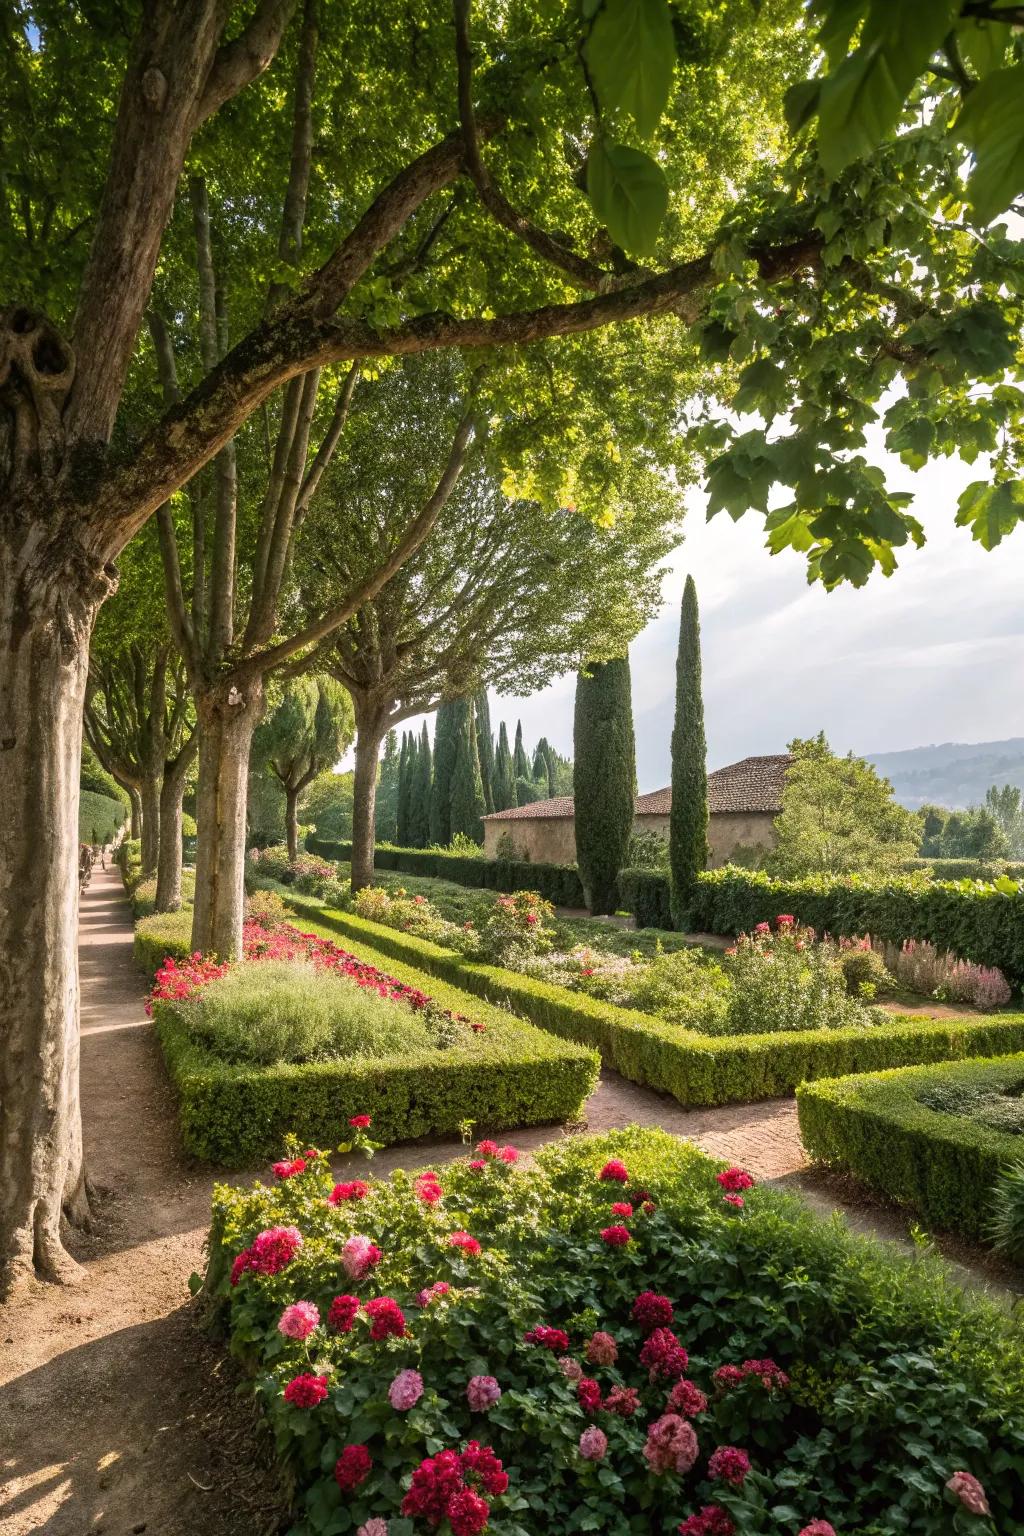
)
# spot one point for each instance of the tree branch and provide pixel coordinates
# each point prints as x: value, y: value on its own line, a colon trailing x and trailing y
x: 237, y: 63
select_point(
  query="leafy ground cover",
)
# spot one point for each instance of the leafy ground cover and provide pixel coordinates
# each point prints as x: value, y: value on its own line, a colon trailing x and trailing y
x: 625, y: 1338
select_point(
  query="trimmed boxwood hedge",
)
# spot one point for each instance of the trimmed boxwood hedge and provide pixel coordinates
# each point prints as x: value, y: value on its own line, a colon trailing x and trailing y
x: 161, y: 935
x: 976, y: 922
x: 694, y: 1068
x: 557, y: 883
x: 942, y: 1165
x: 648, y: 895
x: 511, y: 1075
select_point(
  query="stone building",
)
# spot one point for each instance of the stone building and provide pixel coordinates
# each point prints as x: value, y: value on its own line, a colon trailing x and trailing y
x: 743, y: 802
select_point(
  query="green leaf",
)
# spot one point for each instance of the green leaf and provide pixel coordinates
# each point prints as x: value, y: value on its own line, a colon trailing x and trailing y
x: 631, y: 55
x: 840, y: 19
x: 629, y: 193
x: 862, y: 99
x: 991, y: 511
x: 800, y: 103
x: 992, y: 126
x: 983, y: 43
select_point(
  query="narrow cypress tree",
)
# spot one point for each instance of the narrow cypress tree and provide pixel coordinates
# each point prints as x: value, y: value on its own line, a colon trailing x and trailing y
x: 445, y: 729
x: 504, y: 795
x: 419, y: 812
x: 467, y: 806
x: 544, y: 766
x: 688, y: 824
x: 520, y: 761
x: 402, y: 815
x: 485, y: 746
x: 605, y: 778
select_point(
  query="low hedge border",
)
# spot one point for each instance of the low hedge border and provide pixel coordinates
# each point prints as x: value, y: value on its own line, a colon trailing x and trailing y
x: 942, y: 1165
x: 162, y: 935
x: 510, y: 1076
x: 557, y: 883
x: 694, y: 1069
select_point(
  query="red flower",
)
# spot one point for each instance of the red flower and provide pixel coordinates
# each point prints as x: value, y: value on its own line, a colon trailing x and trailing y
x: 468, y: 1513
x: 736, y: 1201
x: 352, y: 1467
x: 734, y: 1179
x: 387, y: 1320
x: 355, y: 1189
x: 648, y: 1207
x: 785, y: 921
x: 622, y: 1208
x: 273, y: 1249
x: 509, y: 1154
x: 614, y: 1171
x: 487, y: 1149
x: 477, y: 1164
x: 465, y: 1242
x: 288, y: 1170
x: 550, y: 1338
x: 664, y: 1356
x: 360, y: 1122
x: 480, y: 1462
x: 652, y: 1311
x: 713, y: 1520
x: 615, y: 1237
x: 428, y: 1188
x: 588, y: 1395
x: 240, y: 1265
x: 306, y: 1391
x: 622, y: 1400
x: 687, y: 1399
x: 342, y: 1313
x: 729, y: 1465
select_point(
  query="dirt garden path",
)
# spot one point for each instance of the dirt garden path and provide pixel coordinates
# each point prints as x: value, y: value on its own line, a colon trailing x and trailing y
x: 117, y: 1415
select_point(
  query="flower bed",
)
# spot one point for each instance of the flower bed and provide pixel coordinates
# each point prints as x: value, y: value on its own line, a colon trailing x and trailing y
x: 922, y: 1135
x: 474, y: 1060
x: 626, y: 1338
x: 694, y: 1068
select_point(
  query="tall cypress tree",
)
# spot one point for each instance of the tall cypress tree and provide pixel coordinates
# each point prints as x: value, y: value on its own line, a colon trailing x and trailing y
x: 386, y: 807
x: 445, y: 730
x: 404, y: 791
x: 688, y: 824
x: 485, y: 747
x: 520, y: 761
x: 467, y: 805
x: 419, y: 813
x: 605, y: 778
x: 504, y: 789
x: 544, y: 766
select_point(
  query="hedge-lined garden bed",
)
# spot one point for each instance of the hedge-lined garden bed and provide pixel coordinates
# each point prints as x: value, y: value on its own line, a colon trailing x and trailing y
x: 611, y: 1341
x: 694, y: 1068
x: 886, y: 1129
x: 490, y: 1068
x: 557, y: 883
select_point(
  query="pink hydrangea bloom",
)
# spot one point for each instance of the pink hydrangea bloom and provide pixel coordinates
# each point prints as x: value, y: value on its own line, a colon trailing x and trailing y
x: 465, y: 1242
x: 622, y: 1208
x: 687, y: 1398
x: 482, y: 1392
x: 289, y: 1168
x: 487, y: 1149
x: 602, y: 1349
x: 509, y: 1154
x: 387, y: 1320
x: 273, y: 1249
x: 671, y: 1445
x: 570, y: 1368
x: 405, y: 1391
x: 432, y: 1292
x: 298, y: 1320
x: 342, y: 1313
x: 965, y: 1487
x: 615, y: 1237
x: 428, y: 1188
x: 624, y: 1401
x: 359, y: 1256
x: 729, y: 1465
x: 306, y: 1391
x: 593, y: 1443
x: 354, y: 1189
x: 376, y: 1526
x: 478, y: 1164
x: 736, y: 1201
x: 652, y: 1311
x: 818, y: 1528
x: 713, y: 1520
x: 734, y: 1179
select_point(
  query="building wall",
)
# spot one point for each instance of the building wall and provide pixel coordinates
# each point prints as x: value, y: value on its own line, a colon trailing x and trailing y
x: 548, y: 841
x: 728, y: 831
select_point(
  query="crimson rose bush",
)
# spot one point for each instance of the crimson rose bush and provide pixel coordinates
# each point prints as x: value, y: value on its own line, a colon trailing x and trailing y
x: 727, y: 1370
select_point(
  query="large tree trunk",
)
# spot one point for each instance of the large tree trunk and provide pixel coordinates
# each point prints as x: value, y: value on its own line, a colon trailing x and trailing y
x: 226, y: 721
x: 168, y: 869
x: 370, y: 728
x: 291, y: 820
x: 150, y: 824
x: 136, y: 800
x: 45, y: 626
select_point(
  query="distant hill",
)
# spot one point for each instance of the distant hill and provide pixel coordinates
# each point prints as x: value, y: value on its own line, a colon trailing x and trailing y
x: 954, y: 773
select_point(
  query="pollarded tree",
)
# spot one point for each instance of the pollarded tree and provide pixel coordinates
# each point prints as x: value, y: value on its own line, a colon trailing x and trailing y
x: 308, y: 730
x: 604, y: 754
x: 688, y: 822
x: 771, y: 260
x: 467, y: 790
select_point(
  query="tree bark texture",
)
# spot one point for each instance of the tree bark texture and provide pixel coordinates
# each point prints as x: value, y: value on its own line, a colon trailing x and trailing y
x: 151, y: 788
x: 136, y: 799
x: 226, y: 721
x: 172, y: 792
x: 291, y: 820
x: 371, y: 725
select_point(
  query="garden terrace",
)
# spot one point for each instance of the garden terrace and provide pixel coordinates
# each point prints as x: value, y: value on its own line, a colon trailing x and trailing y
x: 448, y: 1056
x: 933, y: 1138
x: 635, y: 1342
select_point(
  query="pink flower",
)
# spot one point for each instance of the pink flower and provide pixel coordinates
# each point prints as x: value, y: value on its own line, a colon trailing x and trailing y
x: 622, y: 1208
x: 762, y: 927
x: 360, y: 1122
x: 477, y: 1164
x: 439, y: 1288
x: 664, y: 1356
x: 671, y: 1445
x: 729, y: 1465
x: 734, y: 1179
x: 405, y: 1391
x: 359, y: 1256
x: 373, y: 1527
x: 509, y: 1154
x: 428, y: 1188
x: 965, y: 1487
x: 355, y: 1189
x: 306, y: 1391
x: 614, y: 1171
x: 342, y: 1313
x: 482, y: 1392
x: 615, y: 1237
x: 713, y: 1520
x: 468, y: 1513
x: 273, y: 1249
x: 785, y: 921
x: 767, y: 1373
x: 588, y: 1395
x: 687, y: 1399
x: 487, y: 1149
x: 593, y: 1443
x: 602, y: 1349
x: 648, y: 1207
x: 288, y: 1169
x: 550, y: 1338
x: 736, y: 1201
x: 818, y: 1528
x: 652, y: 1311
x: 387, y: 1320
x: 298, y: 1320
x: 465, y: 1242
x: 353, y: 1467
x: 570, y: 1368
x: 622, y: 1400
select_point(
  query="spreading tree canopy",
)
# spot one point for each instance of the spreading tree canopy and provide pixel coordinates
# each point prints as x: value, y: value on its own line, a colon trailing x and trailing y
x: 308, y: 729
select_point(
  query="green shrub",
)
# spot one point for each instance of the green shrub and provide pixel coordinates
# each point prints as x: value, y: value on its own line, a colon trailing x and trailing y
x: 99, y: 817
x: 966, y: 869
x: 284, y: 1010
x: 943, y: 1162
x: 895, y: 1377
x: 683, y: 988
x: 557, y: 883
x: 162, y: 936
x: 1005, y: 1229
x: 266, y: 908
x: 695, y: 1069
x: 863, y: 969
x: 143, y: 893
x: 784, y: 980
x: 647, y: 894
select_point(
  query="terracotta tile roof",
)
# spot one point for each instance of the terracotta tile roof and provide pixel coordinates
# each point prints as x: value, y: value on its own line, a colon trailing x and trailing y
x: 754, y: 784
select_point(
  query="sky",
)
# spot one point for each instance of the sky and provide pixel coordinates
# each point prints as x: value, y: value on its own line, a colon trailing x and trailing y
x: 933, y: 653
